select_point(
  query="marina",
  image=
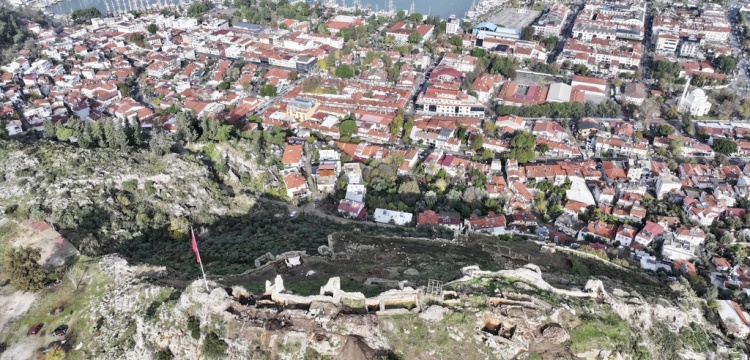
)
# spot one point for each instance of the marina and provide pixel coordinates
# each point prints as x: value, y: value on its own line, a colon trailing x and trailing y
x: 111, y: 6
x: 442, y: 8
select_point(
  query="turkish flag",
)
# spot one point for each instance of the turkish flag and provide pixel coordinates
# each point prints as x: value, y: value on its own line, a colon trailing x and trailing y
x: 195, y: 247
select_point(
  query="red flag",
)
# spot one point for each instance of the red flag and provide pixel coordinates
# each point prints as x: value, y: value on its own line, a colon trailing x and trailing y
x: 195, y: 247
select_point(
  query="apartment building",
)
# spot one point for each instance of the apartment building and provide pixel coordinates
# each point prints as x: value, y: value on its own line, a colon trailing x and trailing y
x: 444, y: 102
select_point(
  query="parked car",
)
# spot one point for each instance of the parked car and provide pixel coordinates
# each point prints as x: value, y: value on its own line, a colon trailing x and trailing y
x: 35, y: 329
x: 60, y: 330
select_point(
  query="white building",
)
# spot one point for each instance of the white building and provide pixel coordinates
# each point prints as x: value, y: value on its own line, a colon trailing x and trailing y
x: 452, y: 25
x: 734, y: 319
x: 696, y: 102
x: 689, y: 46
x: 665, y: 184
x: 443, y: 102
x: 651, y: 263
x: 673, y: 249
x: 356, y: 192
x: 397, y: 217
x: 667, y: 43
x: 551, y: 23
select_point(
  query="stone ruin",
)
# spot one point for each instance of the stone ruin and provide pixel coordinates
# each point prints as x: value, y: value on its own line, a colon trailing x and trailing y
x: 401, y: 300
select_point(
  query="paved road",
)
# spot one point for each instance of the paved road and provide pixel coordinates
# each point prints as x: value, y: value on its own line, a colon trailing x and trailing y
x: 308, y: 170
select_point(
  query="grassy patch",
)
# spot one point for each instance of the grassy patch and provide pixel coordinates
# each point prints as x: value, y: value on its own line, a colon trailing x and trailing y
x: 413, y: 338
x: 601, y: 332
x: 74, y: 302
x: 697, y: 338
x: 8, y: 231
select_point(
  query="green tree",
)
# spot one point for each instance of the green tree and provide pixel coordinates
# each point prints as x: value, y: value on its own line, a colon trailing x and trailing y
x: 488, y: 155
x: 197, y: 9
x: 726, y: 147
x: 152, y: 28
x: 527, y: 33
x: 675, y: 146
x: 345, y: 71
x: 4, y: 129
x: 63, y: 133
x: 456, y: 41
x: 84, y: 16
x: 672, y: 113
x: 347, y: 128
x: 416, y: 17
x: 268, y: 90
x: 414, y: 38
x: 138, y: 39
x: 160, y: 143
x: 665, y: 130
x: 477, y: 143
x: 522, y: 147
x: 97, y: 134
x: 397, y: 123
x: 114, y: 135
x: 23, y: 270
x: 542, y: 148
x: 744, y: 109
x: 725, y: 64
x: 124, y: 88
x: 409, y: 192
x: 408, y: 125
x: 137, y: 132
x: 49, y: 130
x: 187, y: 125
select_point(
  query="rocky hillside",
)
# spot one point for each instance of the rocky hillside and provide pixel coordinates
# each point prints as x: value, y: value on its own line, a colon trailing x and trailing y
x: 119, y: 311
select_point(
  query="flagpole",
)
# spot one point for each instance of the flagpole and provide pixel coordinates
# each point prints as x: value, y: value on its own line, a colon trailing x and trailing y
x: 201, y: 260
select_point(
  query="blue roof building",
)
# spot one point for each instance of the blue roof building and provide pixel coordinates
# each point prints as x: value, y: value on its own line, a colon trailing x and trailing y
x: 488, y: 29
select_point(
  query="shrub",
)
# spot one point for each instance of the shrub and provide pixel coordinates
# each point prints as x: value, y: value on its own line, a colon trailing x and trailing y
x: 194, y: 325
x: 164, y: 354
x: 213, y: 346
x: 130, y: 185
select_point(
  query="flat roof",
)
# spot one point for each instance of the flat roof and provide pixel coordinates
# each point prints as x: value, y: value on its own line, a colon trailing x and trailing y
x: 514, y: 18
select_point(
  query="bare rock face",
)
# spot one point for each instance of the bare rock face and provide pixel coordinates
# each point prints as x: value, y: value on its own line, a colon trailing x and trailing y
x: 411, y: 272
x: 434, y: 313
x: 619, y: 293
x: 555, y: 333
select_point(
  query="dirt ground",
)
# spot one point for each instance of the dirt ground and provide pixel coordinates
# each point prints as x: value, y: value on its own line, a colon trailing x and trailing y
x: 54, y: 250
x: 39, y: 234
x: 14, y: 305
x: 11, y: 307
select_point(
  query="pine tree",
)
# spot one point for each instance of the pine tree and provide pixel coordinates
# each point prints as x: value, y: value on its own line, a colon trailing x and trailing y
x: 137, y: 133
x: 127, y: 129
x: 121, y: 138
x: 108, y: 128
x: 97, y: 134
x: 85, y: 139
x: 186, y: 129
x: 4, y: 129
x: 160, y: 143
x: 49, y: 130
